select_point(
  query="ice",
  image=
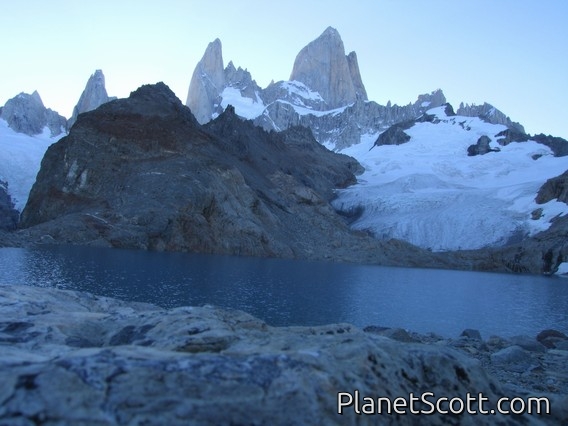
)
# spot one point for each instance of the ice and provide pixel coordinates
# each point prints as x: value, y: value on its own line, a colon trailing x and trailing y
x: 300, y: 89
x: 562, y: 269
x: 20, y: 160
x: 245, y: 107
x: 431, y: 193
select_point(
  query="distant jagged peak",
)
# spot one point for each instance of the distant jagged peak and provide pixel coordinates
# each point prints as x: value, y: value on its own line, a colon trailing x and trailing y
x: 431, y: 100
x: 323, y: 66
x: 211, y: 63
x: 27, y: 114
x: 490, y: 114
x: 93, y: 96
x: 207, y: 83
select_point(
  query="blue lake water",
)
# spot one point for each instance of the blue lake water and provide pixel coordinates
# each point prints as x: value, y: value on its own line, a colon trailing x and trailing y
x: 286, y: 292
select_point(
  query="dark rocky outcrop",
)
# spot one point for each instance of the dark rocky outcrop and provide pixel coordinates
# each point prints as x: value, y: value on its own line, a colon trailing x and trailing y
x: 9, y: 216
x: 558, y: 145
x: 74, y: 358
x: 142, y: 173
x: 555, y: 188
x: 481, y: 147
x: 26, y: 114
x: 395, y: 134
x: 490, y: 114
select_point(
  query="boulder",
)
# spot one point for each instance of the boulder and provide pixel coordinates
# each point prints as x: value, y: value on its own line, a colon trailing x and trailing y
x: 471, y: 333
x: 549, y: 338
x: 527, y: 343
x: 481, y: 147
x: 513, y: 358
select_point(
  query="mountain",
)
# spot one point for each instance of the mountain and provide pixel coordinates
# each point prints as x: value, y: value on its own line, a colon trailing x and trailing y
x: 439, y: 179
x: 26, y: 114
x: 323, y: 67
x: 325, y: 93
x: 93, y: 96
x: 27, y: 128
x: 142, y: 172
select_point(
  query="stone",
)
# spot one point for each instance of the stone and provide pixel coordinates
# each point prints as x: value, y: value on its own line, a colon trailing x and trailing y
x: 513, y: 358
x: 550, y: 337
x: 398, y: 334
x: 471, y: 334
x: 481, y: 147
x: 527, y: 343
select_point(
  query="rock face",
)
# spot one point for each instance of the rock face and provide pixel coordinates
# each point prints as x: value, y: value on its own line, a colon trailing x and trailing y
x: 481, y: 147
x: 323, y: 67
x: 555, y: 188
x: 93, y: 96
x: 26, y: 114
x: 75, y: 358
x: 207, y: 82
x: 490, y: 114
x: 9, y: 216
x: 142, y: 173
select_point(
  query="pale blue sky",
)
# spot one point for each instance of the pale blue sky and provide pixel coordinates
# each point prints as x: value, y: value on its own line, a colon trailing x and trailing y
x: 510, y: 53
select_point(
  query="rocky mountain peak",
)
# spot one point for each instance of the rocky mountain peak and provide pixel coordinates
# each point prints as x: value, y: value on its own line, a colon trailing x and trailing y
x: 207, y: 82
x: 431, y: 100
x: 323, y: 67
x: 149, y: 100
x: 490, y: 114
x: 93, y: 96
x: 26, y: 114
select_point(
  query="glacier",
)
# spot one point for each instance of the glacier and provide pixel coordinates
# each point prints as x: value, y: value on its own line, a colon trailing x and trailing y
x: 20, y: 160
x: 430, y: 193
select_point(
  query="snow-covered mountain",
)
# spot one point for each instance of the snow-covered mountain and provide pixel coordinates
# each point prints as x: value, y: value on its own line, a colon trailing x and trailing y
x: 325, y: 93
x: 27, y: 129
x: 431, y: 192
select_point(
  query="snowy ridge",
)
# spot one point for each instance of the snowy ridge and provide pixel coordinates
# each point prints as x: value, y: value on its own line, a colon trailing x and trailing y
x: 431, y: 193
x: 299, y: 97
x: 301, y: 90
x: 245, y: 107
x: 20, y: 160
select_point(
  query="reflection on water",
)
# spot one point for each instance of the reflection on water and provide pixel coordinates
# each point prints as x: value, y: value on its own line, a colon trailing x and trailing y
x: 284, y: 292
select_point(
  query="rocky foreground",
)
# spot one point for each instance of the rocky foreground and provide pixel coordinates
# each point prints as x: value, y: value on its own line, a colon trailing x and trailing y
x: 73, y: 358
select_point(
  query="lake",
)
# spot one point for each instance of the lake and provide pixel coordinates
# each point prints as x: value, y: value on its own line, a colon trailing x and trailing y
x: 291, y: 292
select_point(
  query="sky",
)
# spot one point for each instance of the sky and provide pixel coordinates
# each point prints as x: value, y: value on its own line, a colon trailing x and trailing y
x: 510, y: 53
